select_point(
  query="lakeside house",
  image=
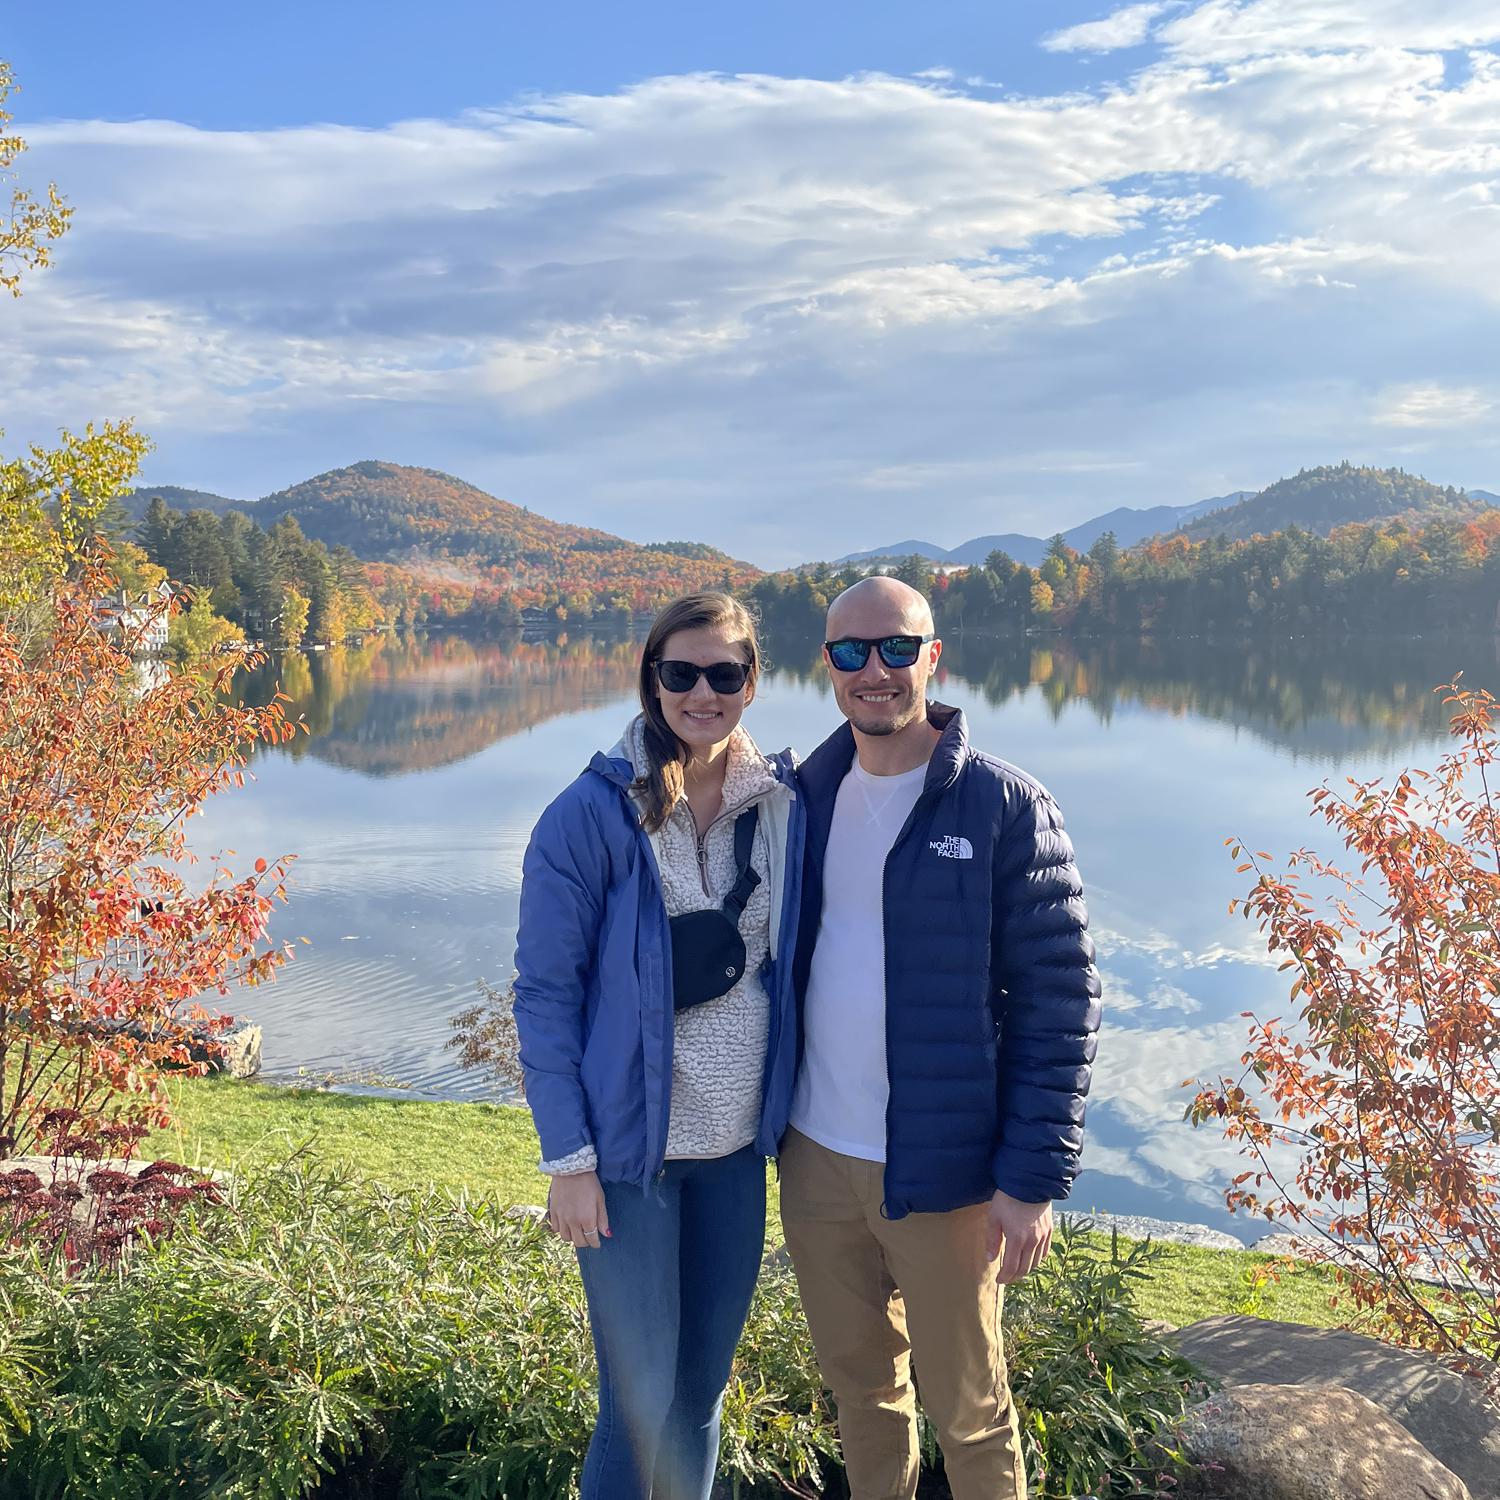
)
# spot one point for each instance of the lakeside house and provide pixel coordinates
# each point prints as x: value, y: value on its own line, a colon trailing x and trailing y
x: 141, y: 617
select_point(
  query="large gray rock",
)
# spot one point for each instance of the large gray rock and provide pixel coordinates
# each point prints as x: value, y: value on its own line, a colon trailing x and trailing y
x: 235, y: 1052
x: 53, y: 1172
x: 69, y: 1168
x: 1283, y: 1442
x: 240, y: 1055
x: 1449, y: 1414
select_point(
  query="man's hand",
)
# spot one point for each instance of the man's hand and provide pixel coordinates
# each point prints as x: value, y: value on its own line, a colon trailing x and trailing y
x: 575, y: 1210
x: 1022, y: 1232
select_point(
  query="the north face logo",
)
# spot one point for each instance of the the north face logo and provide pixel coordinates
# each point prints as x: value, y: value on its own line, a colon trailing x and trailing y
x: 953, y: 847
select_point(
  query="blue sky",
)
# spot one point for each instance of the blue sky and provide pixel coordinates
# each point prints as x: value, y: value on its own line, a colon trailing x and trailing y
x: 788, y: 279
x: 370, y: 62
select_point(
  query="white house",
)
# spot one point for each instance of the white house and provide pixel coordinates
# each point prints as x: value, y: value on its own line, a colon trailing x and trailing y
x: 140, y: 616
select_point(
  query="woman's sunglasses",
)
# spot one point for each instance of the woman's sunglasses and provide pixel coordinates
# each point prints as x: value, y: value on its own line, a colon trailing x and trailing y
x: 682, y: 676
x: 852, y: 652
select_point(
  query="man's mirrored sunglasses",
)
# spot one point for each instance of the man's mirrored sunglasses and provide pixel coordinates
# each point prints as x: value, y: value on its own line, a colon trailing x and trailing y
x: 851, y: 652
x: 682, y: 676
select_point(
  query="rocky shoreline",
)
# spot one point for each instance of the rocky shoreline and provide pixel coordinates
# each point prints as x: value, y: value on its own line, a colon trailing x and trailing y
x: 1138, y: 1227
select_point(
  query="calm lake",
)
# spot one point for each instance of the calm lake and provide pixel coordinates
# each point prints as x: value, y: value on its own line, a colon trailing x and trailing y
x: 409, y: 803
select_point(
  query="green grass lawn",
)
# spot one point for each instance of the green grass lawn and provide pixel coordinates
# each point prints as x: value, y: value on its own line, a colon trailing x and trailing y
x: 485, y: 1148
x: 492, y: 1149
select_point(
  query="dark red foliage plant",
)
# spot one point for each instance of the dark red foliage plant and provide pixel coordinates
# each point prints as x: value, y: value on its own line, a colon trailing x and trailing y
x: 87, y: 1214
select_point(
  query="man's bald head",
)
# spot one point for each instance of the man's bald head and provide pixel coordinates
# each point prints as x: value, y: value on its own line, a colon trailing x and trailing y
x: 879, y: 606
x: 881, y: 701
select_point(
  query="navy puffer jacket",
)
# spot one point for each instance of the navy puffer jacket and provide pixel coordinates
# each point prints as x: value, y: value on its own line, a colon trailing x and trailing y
x: 992, y: 997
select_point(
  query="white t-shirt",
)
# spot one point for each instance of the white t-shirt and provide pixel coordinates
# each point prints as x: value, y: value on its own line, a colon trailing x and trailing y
x: 843, y: 1087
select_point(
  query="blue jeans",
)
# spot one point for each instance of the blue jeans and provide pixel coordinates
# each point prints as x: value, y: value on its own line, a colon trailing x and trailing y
x: 668, y: 1293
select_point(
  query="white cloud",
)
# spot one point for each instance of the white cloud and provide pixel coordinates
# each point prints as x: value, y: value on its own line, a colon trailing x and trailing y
x: 1430, y: 405
x: 754, y: 297
x: 1127, y: 27
x: 1219, y: 30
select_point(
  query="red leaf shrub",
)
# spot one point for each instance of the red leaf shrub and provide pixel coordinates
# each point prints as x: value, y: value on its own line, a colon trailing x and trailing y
x: 1376, y: 1129
x: 104, y: 945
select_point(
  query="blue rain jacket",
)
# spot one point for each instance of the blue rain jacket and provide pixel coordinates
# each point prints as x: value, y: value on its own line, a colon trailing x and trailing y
x: 593, y: 988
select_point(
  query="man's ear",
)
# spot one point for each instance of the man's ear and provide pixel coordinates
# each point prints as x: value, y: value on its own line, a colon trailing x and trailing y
x: 936, y: 649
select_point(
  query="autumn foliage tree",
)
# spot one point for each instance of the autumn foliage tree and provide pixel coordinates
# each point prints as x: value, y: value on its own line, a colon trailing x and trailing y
x: 105, y: 941
x: 28, y: 225
x: 105, y: 944
x: 1374, y: 1130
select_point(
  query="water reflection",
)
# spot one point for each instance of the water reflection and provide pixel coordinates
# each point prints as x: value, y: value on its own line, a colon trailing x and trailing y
x: 396, y: 705
x: 1317, y: 700
x: 411, y: 704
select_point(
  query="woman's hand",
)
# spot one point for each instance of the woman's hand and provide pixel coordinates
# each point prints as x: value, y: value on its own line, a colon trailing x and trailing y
x: 576, y: 1211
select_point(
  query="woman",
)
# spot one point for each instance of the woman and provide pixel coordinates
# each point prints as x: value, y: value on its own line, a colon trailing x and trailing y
x: 654, y: 1004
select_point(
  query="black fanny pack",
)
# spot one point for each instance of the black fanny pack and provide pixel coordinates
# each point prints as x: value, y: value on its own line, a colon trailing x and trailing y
x: 708, y: 953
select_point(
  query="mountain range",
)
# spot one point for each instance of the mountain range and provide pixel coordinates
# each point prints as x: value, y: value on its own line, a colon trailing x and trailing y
x: 418, y: 517
x: 1129, y: 526
x: 1317, y: 499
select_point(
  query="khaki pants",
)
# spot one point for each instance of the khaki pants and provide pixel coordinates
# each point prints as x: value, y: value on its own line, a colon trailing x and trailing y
x: 879, y: 1294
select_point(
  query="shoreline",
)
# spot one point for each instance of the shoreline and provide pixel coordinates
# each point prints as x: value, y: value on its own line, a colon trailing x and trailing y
x: 1129, y: 1226
x: 1168, y: 1231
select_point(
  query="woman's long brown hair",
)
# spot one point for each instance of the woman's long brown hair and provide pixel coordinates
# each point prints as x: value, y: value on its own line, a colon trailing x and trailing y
x: 666, y: 755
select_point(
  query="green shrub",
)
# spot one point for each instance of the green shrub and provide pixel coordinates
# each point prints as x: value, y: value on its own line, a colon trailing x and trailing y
x: 321, y: 1334
x: 1093, y: 1384
x: 317, y: 1334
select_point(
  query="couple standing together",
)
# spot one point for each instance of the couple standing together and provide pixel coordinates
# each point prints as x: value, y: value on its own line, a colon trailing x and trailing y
x: 873, y: 966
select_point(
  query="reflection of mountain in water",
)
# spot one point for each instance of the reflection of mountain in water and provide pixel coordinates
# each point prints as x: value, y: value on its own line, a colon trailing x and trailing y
x: 1317, y: 700
x: 413, y: 704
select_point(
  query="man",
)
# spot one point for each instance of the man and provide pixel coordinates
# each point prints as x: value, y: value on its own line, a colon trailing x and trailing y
x: 949, y: 1004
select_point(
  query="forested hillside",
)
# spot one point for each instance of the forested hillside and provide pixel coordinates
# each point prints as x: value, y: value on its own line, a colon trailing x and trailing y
x: 1391, y: 577
x: 381, y: 510
x: 409, y: 544
x: 134, y: 502
x: 1321, y: 499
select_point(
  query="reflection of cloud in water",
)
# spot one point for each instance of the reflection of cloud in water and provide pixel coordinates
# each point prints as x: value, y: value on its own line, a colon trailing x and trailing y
x: 1140, y: 1073
x: 1161, y: 996
x: 1136, y: 1128
x: 1170, y: 954
x: 1172, y: 1012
